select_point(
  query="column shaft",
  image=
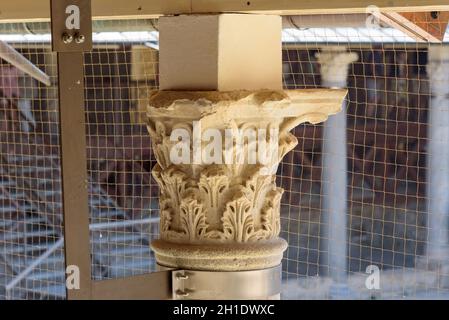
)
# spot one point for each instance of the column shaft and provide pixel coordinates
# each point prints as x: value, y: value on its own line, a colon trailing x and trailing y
x: 334, y: 192
x: 438, y: 156
x: 333, y: 241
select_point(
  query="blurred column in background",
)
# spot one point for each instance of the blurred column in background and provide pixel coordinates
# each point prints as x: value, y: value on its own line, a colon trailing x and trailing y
x: 334, y: 62
x: 438, y: 162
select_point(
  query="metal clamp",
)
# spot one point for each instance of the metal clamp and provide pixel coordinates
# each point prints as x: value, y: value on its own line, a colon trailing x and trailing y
x: 182, y: 294
x: 254, y: 284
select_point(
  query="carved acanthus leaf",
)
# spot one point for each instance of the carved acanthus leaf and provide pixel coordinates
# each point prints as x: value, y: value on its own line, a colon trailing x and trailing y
x: 174, y: 183
x: 165, y: 213
x: 161, y: 143
x: 238, y: 222
x: 256, y: 187
x: 271, y: 224
x: 213, y: 184
x: 193, y: 218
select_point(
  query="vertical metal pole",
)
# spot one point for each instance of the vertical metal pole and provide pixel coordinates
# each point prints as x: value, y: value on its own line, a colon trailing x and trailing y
x: 71, y: 24
x: 72, y: 139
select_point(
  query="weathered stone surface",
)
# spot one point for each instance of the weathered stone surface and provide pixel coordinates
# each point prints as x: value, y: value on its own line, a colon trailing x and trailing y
x: 226, y: 215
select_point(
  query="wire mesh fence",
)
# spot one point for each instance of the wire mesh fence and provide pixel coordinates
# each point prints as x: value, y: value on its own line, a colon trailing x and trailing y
x: 31, y: 246
x: 120, y: 159
x: 386, y: 225
x: 386, y: 221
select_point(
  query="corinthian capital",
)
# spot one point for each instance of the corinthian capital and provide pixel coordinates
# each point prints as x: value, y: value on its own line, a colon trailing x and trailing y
x: 334, y: 63
x: 225, y: 199
x: 438, y: 70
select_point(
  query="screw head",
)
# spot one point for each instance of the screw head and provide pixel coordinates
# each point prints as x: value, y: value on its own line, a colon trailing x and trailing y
x: 79, y: 38
x: 67, y: 38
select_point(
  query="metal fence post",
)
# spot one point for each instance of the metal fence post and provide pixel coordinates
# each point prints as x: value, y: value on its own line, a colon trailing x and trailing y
x: 71, y: 36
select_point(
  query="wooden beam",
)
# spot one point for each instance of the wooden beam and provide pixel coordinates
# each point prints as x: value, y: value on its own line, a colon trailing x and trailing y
x: 421, y: 26
x: 38, y: 10
x: 297, y: 7
x: 431, y: 26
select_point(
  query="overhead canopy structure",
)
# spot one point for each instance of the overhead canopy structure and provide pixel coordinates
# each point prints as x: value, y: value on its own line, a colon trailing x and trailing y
x: 420, y: 21
x: 39, y: 10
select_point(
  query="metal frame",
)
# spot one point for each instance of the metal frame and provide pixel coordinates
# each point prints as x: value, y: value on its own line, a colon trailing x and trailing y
x: 74, y: 170
x: 38, y: 10
x: 59, y: 245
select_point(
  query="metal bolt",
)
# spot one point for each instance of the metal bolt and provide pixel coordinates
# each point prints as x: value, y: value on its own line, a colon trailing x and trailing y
x: 181, y: 293
x: 67, y: 38
x: 180, y: 276
x: 79, y: 38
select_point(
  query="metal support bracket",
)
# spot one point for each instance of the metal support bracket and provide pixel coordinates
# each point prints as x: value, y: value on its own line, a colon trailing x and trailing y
x: 214, y: 285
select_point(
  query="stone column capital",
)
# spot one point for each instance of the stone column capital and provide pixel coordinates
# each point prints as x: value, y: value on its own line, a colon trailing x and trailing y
x: 225, y: 214
x: 438, y: 70
x: 334, y: 62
